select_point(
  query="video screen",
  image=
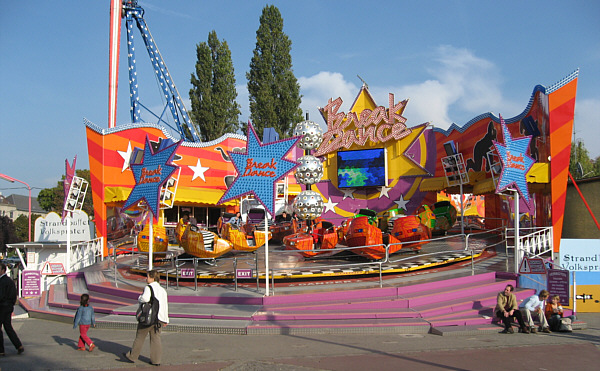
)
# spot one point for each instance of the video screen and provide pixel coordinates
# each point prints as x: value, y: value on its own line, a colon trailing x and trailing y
x: 362, y: 168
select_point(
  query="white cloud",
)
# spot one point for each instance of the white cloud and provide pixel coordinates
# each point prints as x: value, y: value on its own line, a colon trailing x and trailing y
x: 587, y: 125
x: 316, y: 91
x: 462, y: 86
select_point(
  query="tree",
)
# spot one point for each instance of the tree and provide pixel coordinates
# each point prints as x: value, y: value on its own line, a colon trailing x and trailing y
x: 213, y: 95
x: 273, y: 89
x: 580, y: 164
x: 21, y: 225
x: 7, y: 233
x: 52, y: 199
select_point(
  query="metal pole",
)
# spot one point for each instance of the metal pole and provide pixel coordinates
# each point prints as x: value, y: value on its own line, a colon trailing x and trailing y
x: 266, y: 255
x: 151, y: 242
x: 574, y: 295
x: 517, y: 239
x: 273, y: 282
x: 506, y: 246
x: 195, y: 274
x: 472, y: 264
x: 235, y: 272
x: 256, y: 270
x: 12, y: 180
x: 29, y: 229
x: 68, y: 242
x: 462, y: 209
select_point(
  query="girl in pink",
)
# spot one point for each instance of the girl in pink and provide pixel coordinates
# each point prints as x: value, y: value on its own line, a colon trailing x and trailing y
x: 84, y: 318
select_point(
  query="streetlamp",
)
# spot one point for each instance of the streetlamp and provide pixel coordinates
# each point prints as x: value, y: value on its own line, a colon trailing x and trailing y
x: 12, y: 180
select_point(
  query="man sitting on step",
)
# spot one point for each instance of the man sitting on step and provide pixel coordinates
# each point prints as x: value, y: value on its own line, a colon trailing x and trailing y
x: 507, y: 309
x: 534, y: 305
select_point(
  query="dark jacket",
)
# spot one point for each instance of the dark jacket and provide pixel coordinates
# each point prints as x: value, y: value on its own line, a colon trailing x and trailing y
x: 8, y: 292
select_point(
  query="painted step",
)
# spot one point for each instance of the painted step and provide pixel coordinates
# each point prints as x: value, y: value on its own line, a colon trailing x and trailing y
x: 77, y: 286
x: 334, y: 315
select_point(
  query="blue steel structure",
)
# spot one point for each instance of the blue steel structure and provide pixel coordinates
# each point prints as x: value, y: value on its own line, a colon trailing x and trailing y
x: 135, y: 14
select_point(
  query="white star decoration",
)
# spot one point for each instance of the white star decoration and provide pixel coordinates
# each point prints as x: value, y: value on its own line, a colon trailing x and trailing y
x: 330, y: 206
x: 198, y: 170
x: 126, y: 156
x: 383, y: 191
x: 402, y: 203
x: 348, y: 192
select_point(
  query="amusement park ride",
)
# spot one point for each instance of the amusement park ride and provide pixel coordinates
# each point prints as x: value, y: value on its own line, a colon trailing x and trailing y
x: 249, y: 237
x: 368, y: 183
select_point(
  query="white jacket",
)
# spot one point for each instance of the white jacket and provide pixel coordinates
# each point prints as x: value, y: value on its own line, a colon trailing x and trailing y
x: 161, y: 295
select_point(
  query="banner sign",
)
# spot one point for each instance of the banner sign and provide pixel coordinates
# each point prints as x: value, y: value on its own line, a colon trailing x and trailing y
x: 259, y: 169
x: 243, y: 273
x: 54, y: 269
x: 52, y: 229
x: 580, y: 255
x: 31, y: 283
x: 378, y: 126
x: 558, y: 283
x: 187, y: 272
x: 150, y: 175
x: 515, y: 162
x: 532, y: 266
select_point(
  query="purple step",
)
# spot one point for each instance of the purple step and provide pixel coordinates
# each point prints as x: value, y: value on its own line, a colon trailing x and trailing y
x: 332, y: 315
x: 475, y: 312
x: 373, y: 305
x: 440, y: 295
x: 472, y: 302
x: 57, y: 297
x: 330, y: 297
x: 371, y: 294
x: 485, y: 277
x: 76, y: 285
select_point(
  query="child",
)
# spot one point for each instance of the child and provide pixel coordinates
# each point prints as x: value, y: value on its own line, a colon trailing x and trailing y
x: 84, y: 317
x: 554, y: 313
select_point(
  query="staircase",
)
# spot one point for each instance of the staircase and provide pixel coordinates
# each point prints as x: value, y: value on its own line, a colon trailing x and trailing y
x: 455, y: 306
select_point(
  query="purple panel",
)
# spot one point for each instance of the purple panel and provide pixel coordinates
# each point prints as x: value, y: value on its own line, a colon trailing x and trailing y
x: 485, y: 277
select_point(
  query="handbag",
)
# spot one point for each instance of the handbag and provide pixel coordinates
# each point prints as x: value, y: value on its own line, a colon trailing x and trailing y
x: 565, y: 325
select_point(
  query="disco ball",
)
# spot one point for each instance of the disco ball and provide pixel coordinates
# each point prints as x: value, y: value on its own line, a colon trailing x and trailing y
x: 308, y: 205
x: 310, y: 170
x: 311, y: 133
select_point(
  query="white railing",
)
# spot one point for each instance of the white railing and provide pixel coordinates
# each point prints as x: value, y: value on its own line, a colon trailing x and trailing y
x: 537, y: 243
x: 84, y: 254
x: 533, y: 245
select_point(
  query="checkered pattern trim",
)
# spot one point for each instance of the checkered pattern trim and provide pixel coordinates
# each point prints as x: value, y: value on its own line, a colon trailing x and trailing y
x: 394, y: 267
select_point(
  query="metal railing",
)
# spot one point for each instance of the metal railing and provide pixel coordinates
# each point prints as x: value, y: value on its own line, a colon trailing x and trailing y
x: 535, y: 242
x: 84, y: 254
x: 460, y: 243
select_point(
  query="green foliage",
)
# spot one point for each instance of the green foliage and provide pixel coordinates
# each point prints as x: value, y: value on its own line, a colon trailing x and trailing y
x: 273, y: 89
x: 52, y: 199
x: 580, y: 164
x: 213, y: 95
x: 7, y: 233
x: 21, y: 224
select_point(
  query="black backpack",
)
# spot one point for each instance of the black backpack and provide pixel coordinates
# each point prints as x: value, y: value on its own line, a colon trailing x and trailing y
x: 147, y: 313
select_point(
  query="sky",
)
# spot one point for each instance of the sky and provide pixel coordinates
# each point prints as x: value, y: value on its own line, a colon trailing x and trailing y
x: 453, y: 60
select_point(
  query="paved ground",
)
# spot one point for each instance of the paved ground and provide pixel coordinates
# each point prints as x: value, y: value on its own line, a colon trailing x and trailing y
x: 51, y: 346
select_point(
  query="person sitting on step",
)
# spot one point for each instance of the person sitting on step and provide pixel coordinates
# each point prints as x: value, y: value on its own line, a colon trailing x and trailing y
x: 506, y: 309
x: 534, y: 305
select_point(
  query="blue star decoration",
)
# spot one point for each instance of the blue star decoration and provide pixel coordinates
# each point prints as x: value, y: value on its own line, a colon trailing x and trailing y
x: 150, y: 175
x: 515, y: 162
x: 260, y: 168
